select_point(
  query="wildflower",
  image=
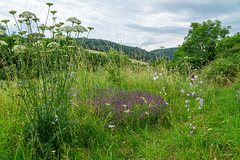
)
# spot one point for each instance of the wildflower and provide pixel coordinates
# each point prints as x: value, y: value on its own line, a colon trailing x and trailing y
x: 160, y: 92
x: 74, y: 94
x: 53, y: 151
x: 194, y: 127
x: 191, y: 84
x: 147, y: 113
x: 193, y: 93
x: 190, y: 124
x: 182, y: 91
x: 79, y: 29
x: 108, y: 104
x: 3, y: 43
x: 188, y: 94
x: 53, y: 122
x: 186, y: 105
x: 126, y: 111
x: 191, y: 132
x: 160, y: 74
x: 199, y: 107
x: 27, y: 15
x: 154, y: 78
x: 200, y: 82
x: 187, y: 101
x: 188, y: 110
x: 19, y: 48
x: 53, y: 45
x: 193, y: 79
x: 111, y: 126
x: 71, y: 100
x: 124, y: 105
x: 155, y: 73
x: 74, y: 20
x: 55, y: 116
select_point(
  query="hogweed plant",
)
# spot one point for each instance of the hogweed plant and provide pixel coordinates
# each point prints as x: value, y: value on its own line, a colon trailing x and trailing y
x: 44, y: 68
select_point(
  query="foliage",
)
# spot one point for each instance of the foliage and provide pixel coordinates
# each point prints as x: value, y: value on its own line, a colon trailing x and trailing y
x: 199, y: 45
x: 224, y: 69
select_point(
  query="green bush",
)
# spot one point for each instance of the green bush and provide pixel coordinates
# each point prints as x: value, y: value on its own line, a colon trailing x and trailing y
x: 221, y: 71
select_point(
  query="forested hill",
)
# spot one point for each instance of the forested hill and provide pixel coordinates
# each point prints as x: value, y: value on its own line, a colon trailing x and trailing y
x: 132, y: 52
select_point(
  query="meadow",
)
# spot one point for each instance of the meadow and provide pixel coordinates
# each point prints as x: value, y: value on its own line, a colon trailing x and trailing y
x: 60, y: 101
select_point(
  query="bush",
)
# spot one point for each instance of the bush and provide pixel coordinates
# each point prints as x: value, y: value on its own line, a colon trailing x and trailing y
x: 221, y: 71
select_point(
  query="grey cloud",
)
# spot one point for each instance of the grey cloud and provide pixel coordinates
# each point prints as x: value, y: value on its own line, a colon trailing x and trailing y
x: 158, y: 30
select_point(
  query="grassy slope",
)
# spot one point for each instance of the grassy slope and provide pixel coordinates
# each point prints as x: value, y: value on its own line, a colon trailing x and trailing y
x: 133, y: 60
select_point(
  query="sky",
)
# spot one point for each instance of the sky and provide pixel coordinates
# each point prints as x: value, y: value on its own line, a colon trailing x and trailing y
x: 148, y: 24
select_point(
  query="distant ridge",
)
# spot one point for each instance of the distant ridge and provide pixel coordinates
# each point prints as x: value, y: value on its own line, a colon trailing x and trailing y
x: 132, y: 52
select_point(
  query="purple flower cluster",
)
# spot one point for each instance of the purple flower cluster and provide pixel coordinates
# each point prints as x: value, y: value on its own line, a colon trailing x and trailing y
x: 238, y: 95
x: 128, y: 108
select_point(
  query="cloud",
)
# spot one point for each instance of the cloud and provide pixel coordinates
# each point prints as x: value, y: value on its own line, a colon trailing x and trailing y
x: 147, y: 24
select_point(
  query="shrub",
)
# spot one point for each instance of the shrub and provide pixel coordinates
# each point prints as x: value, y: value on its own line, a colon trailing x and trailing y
x: 221, y: 71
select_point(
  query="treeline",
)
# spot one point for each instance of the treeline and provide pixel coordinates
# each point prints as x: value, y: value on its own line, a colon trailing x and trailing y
x: 132, y: 52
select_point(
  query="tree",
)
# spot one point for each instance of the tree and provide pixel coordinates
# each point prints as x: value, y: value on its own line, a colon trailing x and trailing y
x: 199, y: 45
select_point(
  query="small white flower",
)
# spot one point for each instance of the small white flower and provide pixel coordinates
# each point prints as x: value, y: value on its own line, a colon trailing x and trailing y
x: 182, y: 91
x: 56, y: 116
x: 124, y: 105
x: 107, y: 104
x: 111, y: 126
x: 147, y: 113
x: 126, y: 111
x: 53, y: 151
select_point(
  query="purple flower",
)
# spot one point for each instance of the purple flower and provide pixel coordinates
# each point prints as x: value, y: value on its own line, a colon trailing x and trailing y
x: 200, y: 107
x: 187, y: 101
x: 74, y: 94
x: 182, y: 91
x: 191, y: 132
x: 194, y: 127
x: 200, y: 82
x: 188, y: 110
x: 160, y: 74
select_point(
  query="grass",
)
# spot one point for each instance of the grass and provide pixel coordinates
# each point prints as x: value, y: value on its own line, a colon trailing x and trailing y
x: 216, y: 136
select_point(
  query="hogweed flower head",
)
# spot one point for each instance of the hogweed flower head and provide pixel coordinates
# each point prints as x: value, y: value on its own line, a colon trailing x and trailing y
x: 74, y: 20
x: 3, y: 43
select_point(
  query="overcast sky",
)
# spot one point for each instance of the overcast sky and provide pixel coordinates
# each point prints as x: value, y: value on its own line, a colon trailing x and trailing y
x: 148, y: 24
